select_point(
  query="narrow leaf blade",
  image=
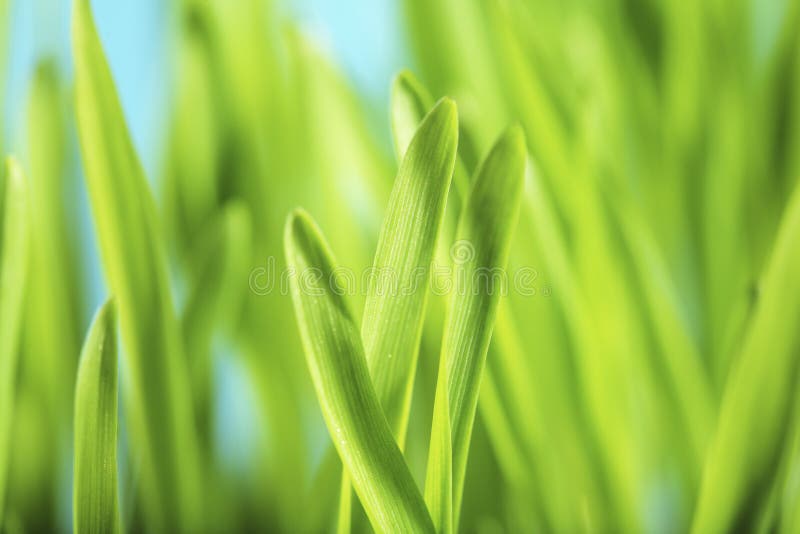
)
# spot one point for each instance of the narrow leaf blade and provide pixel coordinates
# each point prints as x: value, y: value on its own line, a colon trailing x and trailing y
x: 757, y: 405
x: 95, y: 500
x: 350, y: 406
x: 483, y: 242
x: 13, y: 269
x: 398, y: 289
x: 135, y: 265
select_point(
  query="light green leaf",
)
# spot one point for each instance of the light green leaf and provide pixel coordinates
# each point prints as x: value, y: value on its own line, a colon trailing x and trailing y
x: 349, y: 404
x: 397, y: 292
x: 758, y: 400
x: 53, y: 301
x: 439, y: 476
x: 484, y: 238
x: 398, y: 288
x: 94, y: 498
x: 411, y: 101
x: 159, y: 400
x: 13, y: 270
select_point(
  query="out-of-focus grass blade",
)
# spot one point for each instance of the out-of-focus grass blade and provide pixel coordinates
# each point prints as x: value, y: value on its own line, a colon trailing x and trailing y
x: 52, y: 324
x: 162, y: 425
x: 348, y: 401
x: 411, y: 101
x: 484, y: 233
x: 455, y: 58
x: 398, y: 289
x: 687, y: 379
x: 13, y: 271
x: 94, y: 499
x: 760, y: 394
x: 191, y: 181
x: 790, y: 505
x: 222, y: 257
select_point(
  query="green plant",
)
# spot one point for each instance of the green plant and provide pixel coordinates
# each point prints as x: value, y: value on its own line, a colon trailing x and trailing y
x: 639, y: 375
x: 14, y: 244
x: 159, y: 401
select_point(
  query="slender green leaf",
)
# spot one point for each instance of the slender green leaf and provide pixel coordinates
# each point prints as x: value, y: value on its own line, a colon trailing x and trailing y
x: 350, y: 406
x: 484, y: 237
x: 13, y: 269
x: 757, y: 405
x: 94, y: 497
x: 159, y: 398
x: 439, y: 477
x: 398, y: 289
x: 53, y: 301
x: 191, y: 189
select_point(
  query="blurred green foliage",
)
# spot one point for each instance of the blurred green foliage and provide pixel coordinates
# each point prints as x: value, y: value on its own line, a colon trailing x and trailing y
x: 648, y: 383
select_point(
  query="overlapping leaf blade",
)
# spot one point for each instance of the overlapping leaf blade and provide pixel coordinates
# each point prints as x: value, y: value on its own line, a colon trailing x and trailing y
x: 398, y: 283
x: 349, y: 403
x: 398, y: 289
x: 95, y: 498
x: 53, y: 301
x: 135, y: 266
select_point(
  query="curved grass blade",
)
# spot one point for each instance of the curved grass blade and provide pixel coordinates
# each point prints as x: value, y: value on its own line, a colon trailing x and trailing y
x: 484, y: 233
x: 350, y: 406
x: 398, y: 288
x: 159, y: 398
x: 13, y: 271
x: 95, y: 501
x: 758, y: 400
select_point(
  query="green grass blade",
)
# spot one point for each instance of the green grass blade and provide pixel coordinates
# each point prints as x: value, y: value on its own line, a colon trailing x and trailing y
x: 439, y: 476
x: 95, y: 501
x: 13, y: 271
x: 349, y: 404
x: 790, y: 512
x: 393, y: 316
x: 52, y: 319
x: 124, y: 212
x: 191, y: 189
x: 758, y: 399
x: 344, y: 518
x: 485, y: 230
x: 394, y: 310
